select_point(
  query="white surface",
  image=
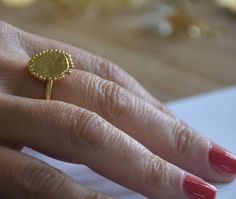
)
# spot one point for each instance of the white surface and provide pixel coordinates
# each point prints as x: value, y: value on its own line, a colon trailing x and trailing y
x: 213, y: 115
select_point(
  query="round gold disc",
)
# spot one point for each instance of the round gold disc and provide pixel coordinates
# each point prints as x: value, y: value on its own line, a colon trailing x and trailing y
x: 51, y: 65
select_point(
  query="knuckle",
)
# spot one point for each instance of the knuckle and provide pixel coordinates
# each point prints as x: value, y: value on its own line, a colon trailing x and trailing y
x: 156, y: 172
x: 112, y: 72
x: 7, y: 32
x: 3, y: 25
x: 182, y: 140
x: 85, y: 79
x: 116, y: 102
x: 12, y: 42
x: 87, y: 130
x: 37, y: 180
x: 106, y: 68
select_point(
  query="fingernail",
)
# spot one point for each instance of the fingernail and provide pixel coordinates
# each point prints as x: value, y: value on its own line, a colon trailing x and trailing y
x: 196, y: 188
x: 222, y: 160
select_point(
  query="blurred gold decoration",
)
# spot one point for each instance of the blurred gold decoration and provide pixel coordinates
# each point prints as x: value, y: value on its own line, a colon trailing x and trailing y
x: 17, y: 3
x: 165, y: 17
x: 177, y: 18
x: 182, y: 21
x: 228, y: 4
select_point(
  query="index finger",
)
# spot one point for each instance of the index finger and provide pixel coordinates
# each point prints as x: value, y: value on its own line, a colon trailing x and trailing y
x: 30, y: 44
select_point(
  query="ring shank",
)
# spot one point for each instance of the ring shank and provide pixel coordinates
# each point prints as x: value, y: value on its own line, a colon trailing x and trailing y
x: 49, y: 89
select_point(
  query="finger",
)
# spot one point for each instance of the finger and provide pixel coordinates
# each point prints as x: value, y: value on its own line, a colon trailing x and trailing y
x: 160, y: 150
x: 29, y: 44
x: 163, y: 135
x: 25, y: 177
x: 83, y: 137
x: 171, y: 139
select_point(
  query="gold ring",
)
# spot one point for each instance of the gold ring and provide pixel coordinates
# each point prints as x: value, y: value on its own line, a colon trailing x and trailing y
x: 51, y: 65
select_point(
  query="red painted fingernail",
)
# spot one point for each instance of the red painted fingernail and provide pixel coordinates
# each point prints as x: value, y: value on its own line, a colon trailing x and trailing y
x: 222, y: 160
x: 196, y: 188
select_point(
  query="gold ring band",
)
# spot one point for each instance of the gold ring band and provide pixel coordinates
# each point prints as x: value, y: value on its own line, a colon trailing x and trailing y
x: 50, y: 65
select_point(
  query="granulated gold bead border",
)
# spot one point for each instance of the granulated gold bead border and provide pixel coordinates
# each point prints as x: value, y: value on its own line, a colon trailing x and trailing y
x: 44, y: 78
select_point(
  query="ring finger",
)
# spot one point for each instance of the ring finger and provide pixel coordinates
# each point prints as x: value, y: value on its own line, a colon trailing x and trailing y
x: 162, y: 134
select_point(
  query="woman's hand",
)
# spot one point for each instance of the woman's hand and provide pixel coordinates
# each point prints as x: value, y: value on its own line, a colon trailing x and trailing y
x: 100, y: 117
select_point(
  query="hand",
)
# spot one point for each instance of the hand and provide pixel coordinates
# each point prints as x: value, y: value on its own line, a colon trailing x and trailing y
x: 100, y: 117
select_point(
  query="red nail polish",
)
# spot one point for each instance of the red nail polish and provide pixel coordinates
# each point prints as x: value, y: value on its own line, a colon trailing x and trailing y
x: 196, y: 188
x: 222, y: 160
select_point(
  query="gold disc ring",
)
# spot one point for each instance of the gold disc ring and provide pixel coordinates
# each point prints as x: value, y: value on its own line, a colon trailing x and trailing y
x: 50, y: 65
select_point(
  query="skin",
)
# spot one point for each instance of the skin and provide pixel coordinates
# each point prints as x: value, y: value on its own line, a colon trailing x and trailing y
x: 99, y: 116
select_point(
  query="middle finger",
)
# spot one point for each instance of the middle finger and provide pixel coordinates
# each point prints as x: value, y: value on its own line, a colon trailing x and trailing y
x: 74, y: 134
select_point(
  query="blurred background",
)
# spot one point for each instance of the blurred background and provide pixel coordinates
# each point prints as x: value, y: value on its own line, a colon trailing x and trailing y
x: 175, y: 48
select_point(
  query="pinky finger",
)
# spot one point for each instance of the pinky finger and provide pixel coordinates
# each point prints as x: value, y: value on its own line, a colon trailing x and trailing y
x: 25, y: 177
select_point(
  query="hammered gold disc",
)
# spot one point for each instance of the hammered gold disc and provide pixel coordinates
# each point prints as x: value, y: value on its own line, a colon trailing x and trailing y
x: 51, y: 65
